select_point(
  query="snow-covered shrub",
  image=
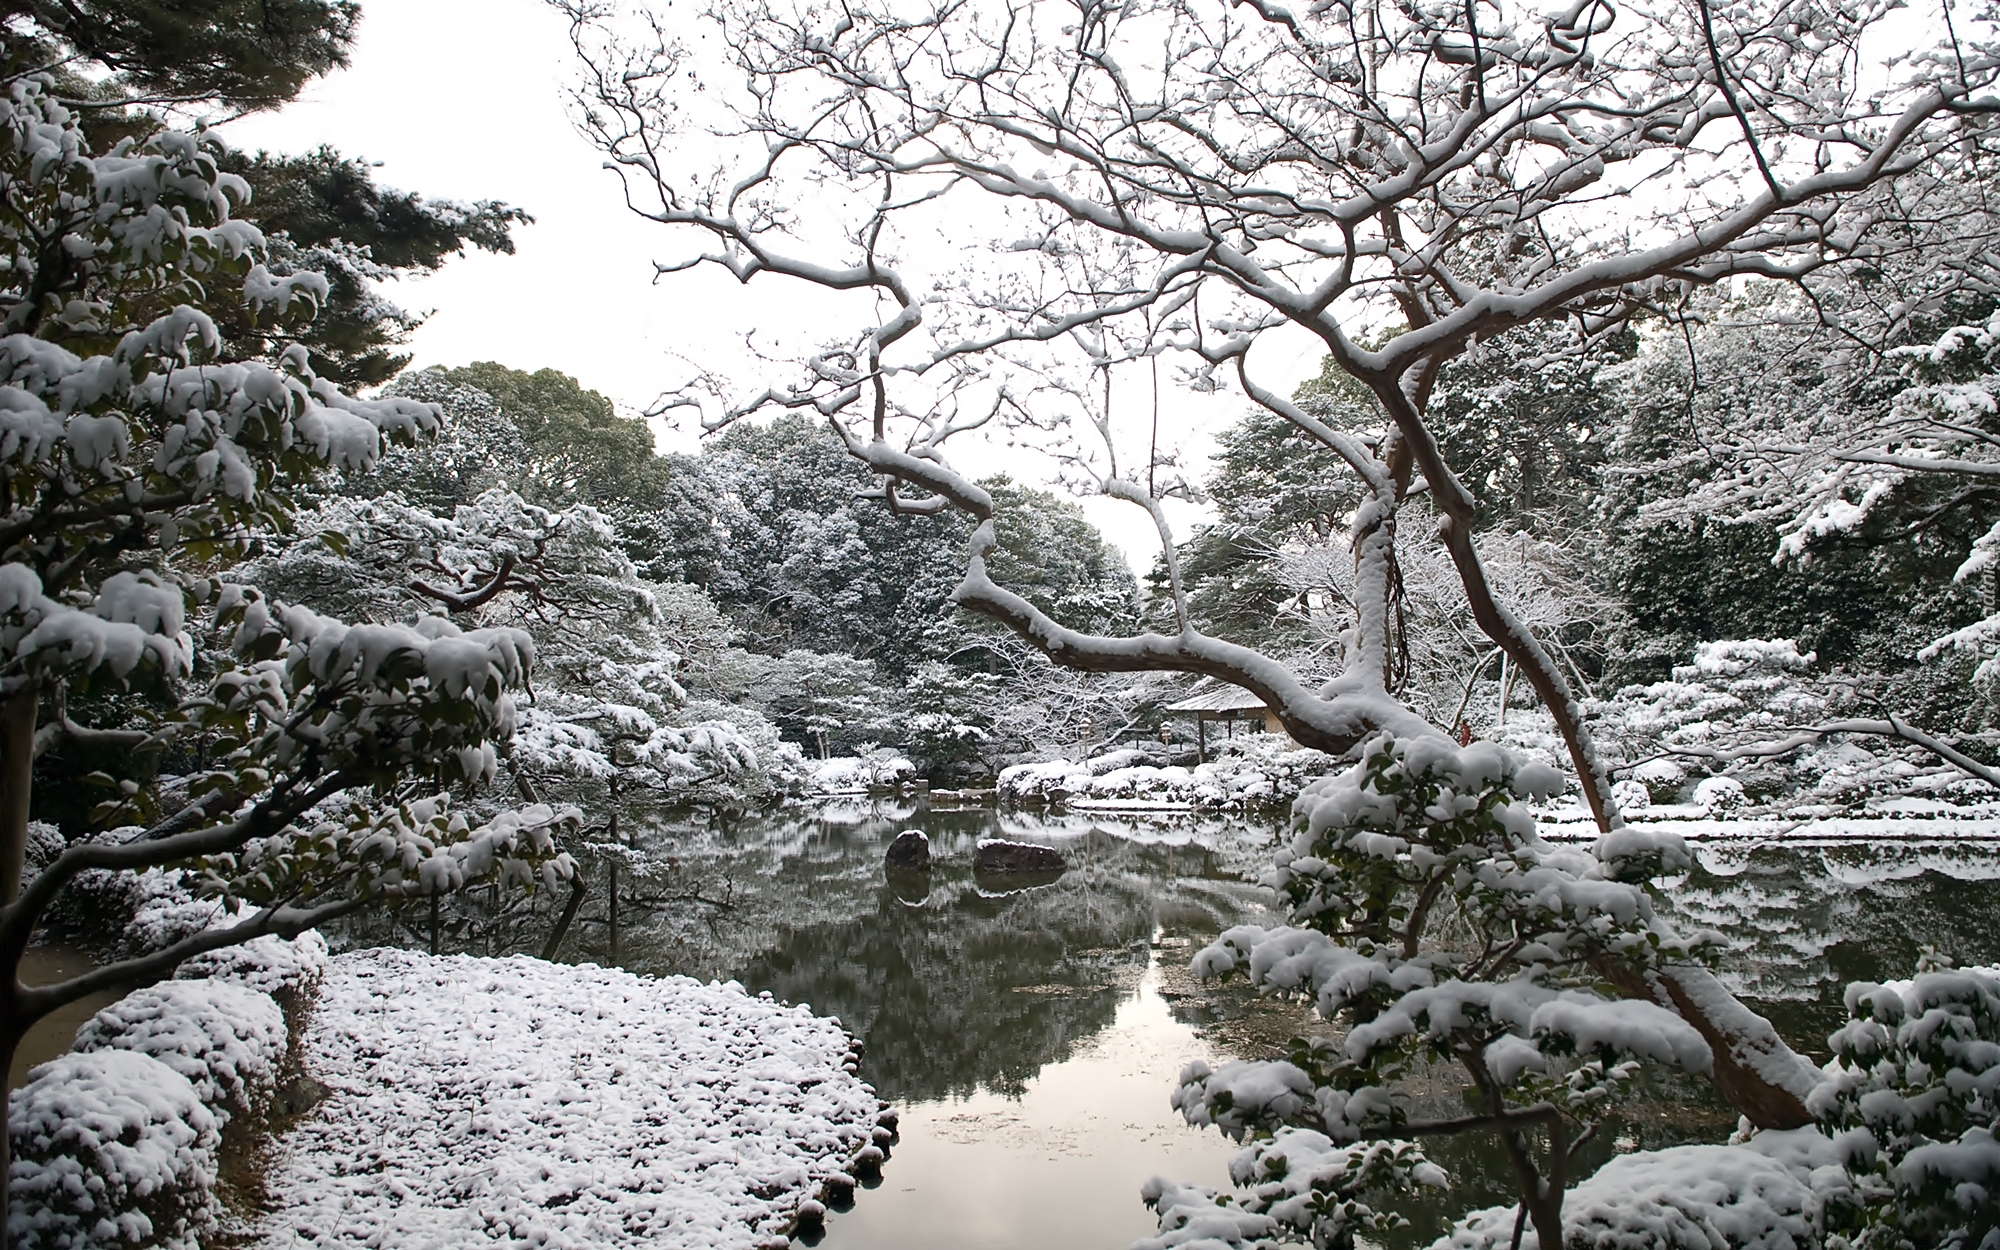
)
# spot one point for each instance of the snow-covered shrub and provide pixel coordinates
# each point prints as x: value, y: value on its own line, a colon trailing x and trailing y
x: 103, y: 908
x: 850, y: 774
x: 112, y: 1148
x: 1044, y: 780
x: 1911, y: 1099
x: 1737, y: 1197
x: 1631, y: 794
x: 1736, y: 695
x: 289, y: 971
x: 1719, y: 794
x: 45, y: 842
x: 1296, y: 1181
x: 1433, y: 923
x: 227, y: 1039
x: 1257, y: 770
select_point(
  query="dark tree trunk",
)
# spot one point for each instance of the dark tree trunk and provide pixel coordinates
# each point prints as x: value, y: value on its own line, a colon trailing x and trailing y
x: 17, y: 779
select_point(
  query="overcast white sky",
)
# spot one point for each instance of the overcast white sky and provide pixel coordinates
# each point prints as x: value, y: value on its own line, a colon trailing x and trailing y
x: 462, y: 99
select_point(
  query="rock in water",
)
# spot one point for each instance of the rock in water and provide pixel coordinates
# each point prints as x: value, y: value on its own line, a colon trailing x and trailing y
x: 910, y: 852
x: 998, y: 856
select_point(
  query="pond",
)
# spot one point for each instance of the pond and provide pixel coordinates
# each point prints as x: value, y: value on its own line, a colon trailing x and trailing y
x: 1031, y: 1037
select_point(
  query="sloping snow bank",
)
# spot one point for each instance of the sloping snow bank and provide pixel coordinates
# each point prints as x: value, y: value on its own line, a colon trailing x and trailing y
x: 561, y: 1106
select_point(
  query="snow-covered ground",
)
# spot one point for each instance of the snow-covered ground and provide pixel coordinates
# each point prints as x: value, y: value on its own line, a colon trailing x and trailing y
x: 551, y: 1105
x: 1905, y: 818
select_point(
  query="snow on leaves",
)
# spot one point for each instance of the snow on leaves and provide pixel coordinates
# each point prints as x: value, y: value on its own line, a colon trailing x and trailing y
x: 1911, y: 1100
x: 125, y: 440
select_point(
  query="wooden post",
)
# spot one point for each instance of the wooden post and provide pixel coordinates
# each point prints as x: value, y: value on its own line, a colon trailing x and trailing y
x: 1200, y: 738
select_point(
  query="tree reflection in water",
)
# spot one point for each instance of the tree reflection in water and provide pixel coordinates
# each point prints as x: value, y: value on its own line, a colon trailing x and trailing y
x: 953, y: 986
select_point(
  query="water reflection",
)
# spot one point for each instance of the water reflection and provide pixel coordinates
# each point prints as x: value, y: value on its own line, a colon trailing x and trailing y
x: 1057, y: 1164
x: 953, y: 987
x: 1802, y: 919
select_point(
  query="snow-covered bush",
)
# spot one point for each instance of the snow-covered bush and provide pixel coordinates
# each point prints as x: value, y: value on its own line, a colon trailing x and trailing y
x: 45, y: 842
x: 1295, y: 1181
x: 1768, y: 1193
x: 227, y: 1039
x: 1435, y: 925
x: 1257, y: 770
x: 288, y: 970
x: 112, y: 1148
x: 1911, y: 1098
x: 851, y: 774
x: 1706, y: 735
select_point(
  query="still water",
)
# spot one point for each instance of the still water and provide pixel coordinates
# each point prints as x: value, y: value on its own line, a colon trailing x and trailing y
x: 1031, y: 1037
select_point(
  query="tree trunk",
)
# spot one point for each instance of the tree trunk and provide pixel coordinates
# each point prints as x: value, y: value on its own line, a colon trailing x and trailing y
x: 10, y: 1043
x: 1457, y: 511
x: 577, y: 890
x: 17, y: 778
x: 1754, y: 1069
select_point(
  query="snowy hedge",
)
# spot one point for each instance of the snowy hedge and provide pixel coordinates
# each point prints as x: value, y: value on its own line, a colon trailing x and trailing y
x: 228, y: 1040
x: 288, y: 971
x: 473, y: 1099
x: 111, y: 1148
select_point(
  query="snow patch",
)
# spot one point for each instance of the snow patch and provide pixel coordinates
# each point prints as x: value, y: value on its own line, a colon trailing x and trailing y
x: 475, y: 1099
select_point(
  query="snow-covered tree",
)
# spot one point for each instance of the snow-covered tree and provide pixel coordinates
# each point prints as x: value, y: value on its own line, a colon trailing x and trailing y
x: 1212, y: 174
x: 1444, y: 667
x: 609, y: 721
x: 1432, y: 925
x: 1047, y: 200
x: 134, y: 464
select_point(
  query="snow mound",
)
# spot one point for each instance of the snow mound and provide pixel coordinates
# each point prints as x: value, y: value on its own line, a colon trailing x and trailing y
x: 110, y: 1148
x: 228, y: 1040
x: 552, y: 1105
